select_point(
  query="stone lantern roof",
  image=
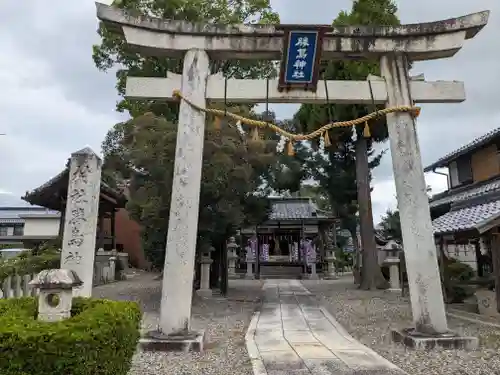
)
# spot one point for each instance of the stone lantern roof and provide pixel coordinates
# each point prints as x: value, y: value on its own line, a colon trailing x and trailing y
x: 56, y: 279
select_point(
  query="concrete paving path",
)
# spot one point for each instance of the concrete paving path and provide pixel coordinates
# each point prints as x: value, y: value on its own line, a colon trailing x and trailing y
x: 293, y: 335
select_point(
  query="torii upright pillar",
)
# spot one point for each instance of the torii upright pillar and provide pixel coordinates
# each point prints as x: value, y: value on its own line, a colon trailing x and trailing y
x: 393, y: 47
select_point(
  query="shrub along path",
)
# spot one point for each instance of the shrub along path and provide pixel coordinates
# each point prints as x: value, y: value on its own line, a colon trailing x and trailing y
x: 225, y: 322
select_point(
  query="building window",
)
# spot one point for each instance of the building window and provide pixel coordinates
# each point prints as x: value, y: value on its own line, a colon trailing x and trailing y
x: 464, y: 168
x: 18, y: 230
x: 3, y: 231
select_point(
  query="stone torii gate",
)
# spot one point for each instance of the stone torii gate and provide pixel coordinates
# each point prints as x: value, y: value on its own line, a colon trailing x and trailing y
x: 394, y: 47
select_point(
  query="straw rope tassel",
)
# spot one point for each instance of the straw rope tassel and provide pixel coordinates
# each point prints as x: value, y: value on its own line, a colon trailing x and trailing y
x: 366, y: 130
x: 414, y: 111
x: 328, y: 143
x: 290, y: 150
x: 255, y: 134
x: 217, y: 123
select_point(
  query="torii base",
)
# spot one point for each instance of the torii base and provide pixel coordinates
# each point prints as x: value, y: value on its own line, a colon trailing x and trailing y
x: 418, y: 341
x: 182, y: 342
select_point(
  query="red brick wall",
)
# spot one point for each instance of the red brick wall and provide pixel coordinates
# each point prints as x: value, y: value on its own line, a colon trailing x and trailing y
x: 128, y: 233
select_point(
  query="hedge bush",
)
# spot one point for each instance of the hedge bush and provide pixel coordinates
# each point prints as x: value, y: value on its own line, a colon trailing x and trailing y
x: 100, y: 338
x: 456, y: 276
x: 26, y: 263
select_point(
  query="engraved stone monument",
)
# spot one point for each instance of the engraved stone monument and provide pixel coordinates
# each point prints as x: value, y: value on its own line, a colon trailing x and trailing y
x: 80, y: 220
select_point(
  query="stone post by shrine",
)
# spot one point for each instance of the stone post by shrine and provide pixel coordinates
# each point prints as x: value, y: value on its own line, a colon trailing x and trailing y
x: 177, y: 286
x: 313, y: 275
x: 420, y: 251
x: 80, y: 219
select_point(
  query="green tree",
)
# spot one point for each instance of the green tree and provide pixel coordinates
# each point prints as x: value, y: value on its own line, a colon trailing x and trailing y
x: 230, y: 179
x: 363, y: 12
x: 318, y: 194
x: 139, y: 153
x: 391, y: 225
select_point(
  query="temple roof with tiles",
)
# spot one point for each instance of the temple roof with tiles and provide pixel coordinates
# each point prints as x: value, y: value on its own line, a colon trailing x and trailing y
x: 475, y: 217
x: 295, y: 209
x: 471, y: 207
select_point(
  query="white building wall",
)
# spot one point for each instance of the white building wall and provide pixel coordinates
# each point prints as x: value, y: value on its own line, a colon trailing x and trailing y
x: 41, y: 226
x: 463, y: 253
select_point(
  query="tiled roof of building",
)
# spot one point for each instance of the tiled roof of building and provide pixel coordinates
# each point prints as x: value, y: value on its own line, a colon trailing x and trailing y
x: 294, y: 209
x: 13, y: 215
x: 476, y: 143
x: 466, y: 192
x: 468, y: 218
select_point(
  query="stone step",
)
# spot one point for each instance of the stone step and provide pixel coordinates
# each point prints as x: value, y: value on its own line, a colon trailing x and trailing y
x: 280, y: 277
x: 280, y: 272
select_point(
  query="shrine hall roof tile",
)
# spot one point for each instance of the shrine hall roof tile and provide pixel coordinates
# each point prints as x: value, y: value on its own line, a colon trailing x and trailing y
x: 469, y: 218
x: 294, y: 209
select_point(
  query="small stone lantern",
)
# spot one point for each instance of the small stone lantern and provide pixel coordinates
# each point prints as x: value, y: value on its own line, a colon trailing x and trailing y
x: 231, y: 257
x: 330, y: 258
x: 250, y: 260
x: 393, y: 262
x: 205, y: 262
x: 56, y: 293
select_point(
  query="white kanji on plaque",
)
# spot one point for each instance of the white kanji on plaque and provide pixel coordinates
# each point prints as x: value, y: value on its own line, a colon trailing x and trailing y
x: 302, y: 41
x: 300, y: 64
x: 298, y: 74
x: 301, y: 53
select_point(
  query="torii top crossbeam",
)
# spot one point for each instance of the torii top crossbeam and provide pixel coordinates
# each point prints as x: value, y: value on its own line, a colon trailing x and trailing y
x: 421, y: 41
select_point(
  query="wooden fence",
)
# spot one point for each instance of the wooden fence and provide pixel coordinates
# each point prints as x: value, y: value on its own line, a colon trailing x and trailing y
x: 17, y: 286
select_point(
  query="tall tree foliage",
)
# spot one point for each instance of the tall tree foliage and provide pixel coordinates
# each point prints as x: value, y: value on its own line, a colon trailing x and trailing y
x: 141, y: 151
x: 230, y: 179
x: 286, y: 174
x: 363, y: 12
x: 390, y: 225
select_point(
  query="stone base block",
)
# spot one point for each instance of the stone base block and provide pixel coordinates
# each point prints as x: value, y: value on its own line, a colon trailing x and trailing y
x: 183, y: 342
x: 394, y: 290
x: 205, y: 293
x: 313, y: 276
x: 330, y: 277
x: 415, y: 340
x: 249, y: 277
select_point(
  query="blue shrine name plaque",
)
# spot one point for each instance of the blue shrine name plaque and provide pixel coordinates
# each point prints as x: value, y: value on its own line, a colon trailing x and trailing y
x: 300, y: 63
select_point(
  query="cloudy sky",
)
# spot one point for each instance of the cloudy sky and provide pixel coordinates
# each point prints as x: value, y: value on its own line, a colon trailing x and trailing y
x: 54, y: 101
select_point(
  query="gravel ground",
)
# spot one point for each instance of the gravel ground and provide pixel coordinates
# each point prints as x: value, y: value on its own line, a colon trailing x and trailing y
x: 368, y: 316
x: 225, y: 322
